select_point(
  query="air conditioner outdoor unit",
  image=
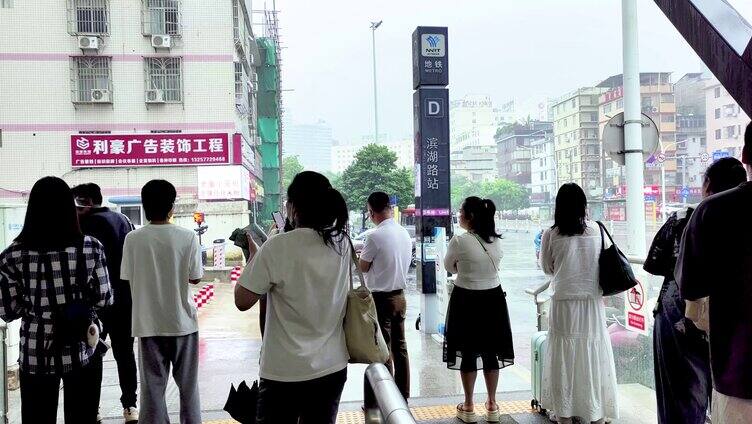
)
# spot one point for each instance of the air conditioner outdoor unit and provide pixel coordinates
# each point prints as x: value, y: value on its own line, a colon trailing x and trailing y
x: 88, y: 43
x: 161, y: 41
x: 155, y: 96
x: 100, y: 96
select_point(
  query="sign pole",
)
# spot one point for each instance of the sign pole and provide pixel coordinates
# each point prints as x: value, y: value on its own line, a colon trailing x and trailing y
x: 433, y: 207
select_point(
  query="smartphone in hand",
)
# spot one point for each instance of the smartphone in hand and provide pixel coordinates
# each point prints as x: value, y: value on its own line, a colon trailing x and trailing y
x: 279, y: 221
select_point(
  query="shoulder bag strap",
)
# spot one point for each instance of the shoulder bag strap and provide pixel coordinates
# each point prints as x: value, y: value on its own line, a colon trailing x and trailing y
x: 604, y: 230
x: 488, y: 254
x: 354, y: 261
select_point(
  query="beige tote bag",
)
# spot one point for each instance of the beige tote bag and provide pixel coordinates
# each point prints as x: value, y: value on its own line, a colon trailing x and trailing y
x: 365, y: 343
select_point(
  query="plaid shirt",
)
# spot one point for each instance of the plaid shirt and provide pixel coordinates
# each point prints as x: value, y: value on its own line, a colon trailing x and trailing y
x: 29, y: 279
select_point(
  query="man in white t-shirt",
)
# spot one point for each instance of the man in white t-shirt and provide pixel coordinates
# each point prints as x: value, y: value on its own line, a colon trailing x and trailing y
x: 386, y: 260
x: 160, y: 260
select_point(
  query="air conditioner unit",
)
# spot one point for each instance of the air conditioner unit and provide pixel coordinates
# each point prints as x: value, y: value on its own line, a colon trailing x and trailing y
x: 655, y: 110
x: 155, y: 96
x: 88, y: 43
x: 161, y: 41
x: 100, y: 96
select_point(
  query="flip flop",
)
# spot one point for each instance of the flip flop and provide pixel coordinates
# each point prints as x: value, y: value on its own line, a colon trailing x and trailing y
x: 493, y: 416
x: 466, y: 416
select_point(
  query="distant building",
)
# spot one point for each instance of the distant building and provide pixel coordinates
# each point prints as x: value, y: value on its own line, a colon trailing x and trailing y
x: 543, y: 174
x: 657, y: 101
x: 311, y: 143
x: 726, y: 121
x: 691, y: 139
x: 576, y: 145
x: 343, y: 156
x: 514, y: 151
x: 472, y: 121
x: 475, y: 163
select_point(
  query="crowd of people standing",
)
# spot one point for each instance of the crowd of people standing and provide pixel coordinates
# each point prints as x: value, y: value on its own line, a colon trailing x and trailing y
x: 84, y: 273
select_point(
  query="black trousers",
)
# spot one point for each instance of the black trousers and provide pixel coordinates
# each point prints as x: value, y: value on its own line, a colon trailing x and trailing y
x: 39, y: 396
x: 391, y: 308
x: 683, y: 384
x: 116, y: 321
x: 306, y: 402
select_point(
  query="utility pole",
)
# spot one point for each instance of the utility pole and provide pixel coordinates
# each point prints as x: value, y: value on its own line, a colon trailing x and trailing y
x: 374, y: 26
x: 633, y: 132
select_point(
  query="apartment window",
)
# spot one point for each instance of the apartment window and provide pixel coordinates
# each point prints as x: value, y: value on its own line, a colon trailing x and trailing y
x: 717, y: 113
x: 667, y: 98
x: 89, y: 16
x: 730, y: 131
x: 164, y: 75
x: 239, y: 91
x: 574, y: 103
x: 6, y: 4
x: 607, y: 107
x: 620, y: 104
x: 717, y: 92
x: 161, y: 17
x: 667, y: 118
x: 91, y: 79
x: 717, y: 134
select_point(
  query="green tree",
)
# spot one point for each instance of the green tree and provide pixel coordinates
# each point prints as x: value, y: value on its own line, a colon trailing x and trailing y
x: 507, y: 195
x: 291, y: 167
x: 375, y: 169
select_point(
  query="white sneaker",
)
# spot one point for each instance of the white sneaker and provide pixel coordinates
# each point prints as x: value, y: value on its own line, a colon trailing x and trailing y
x: 130, y: 415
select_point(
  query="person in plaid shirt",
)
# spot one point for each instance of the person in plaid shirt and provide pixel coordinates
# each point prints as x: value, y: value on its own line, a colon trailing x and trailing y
x: 49, y: 267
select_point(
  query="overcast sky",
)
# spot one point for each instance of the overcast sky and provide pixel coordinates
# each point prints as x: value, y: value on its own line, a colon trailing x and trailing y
x: 504, y: 48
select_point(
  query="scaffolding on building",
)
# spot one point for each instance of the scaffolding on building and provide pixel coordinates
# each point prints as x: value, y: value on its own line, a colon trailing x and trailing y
x: 269, y: 106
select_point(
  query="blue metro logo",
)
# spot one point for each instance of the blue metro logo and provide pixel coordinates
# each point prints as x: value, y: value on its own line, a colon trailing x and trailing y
x: 433, y: 41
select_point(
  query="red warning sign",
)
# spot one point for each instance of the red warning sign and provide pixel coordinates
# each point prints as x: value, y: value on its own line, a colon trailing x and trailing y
x: 634, y: 305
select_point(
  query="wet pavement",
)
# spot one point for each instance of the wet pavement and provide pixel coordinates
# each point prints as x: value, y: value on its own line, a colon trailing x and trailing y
x: 230, y: 345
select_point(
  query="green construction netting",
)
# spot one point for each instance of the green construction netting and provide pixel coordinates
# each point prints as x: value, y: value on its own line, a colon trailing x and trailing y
x: 271, y: 183
x: 267, y: 105
x: 268, y: 78
x: 269, y: 156
x: 268, y: 50
x: 268, y: 129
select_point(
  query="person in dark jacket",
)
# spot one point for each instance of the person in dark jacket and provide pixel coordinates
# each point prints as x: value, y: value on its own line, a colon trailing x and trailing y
x: 110, y: 228
x: 681, y: 350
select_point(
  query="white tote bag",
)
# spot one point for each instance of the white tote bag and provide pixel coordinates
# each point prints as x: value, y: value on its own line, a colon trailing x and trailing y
x: 365, y: 343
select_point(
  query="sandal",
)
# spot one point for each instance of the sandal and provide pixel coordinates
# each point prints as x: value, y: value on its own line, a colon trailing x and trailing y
x: 466, y: 416
x: 493, y: 415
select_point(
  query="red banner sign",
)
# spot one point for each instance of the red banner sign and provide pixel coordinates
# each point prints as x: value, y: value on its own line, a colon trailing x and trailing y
x: 139, y: 150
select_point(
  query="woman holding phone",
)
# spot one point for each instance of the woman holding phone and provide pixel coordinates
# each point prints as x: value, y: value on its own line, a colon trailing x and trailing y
x: 304, y: 273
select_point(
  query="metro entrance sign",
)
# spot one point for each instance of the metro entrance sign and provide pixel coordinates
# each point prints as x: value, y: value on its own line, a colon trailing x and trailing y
x: 433, y: 207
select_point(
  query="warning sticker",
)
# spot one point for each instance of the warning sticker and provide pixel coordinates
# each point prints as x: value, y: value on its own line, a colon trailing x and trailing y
x: 634, y: 306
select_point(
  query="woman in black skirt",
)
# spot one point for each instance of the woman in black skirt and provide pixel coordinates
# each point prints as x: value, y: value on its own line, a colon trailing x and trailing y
x: 478, y: 335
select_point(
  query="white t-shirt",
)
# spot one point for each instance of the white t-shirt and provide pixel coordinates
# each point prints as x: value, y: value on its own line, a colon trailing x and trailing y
x: 307, y: 283
x: 389, y: 248
x: 159, y: 261
x: 466, y: 258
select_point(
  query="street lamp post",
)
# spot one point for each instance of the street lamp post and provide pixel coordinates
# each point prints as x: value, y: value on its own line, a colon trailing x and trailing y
x: 374, y: 26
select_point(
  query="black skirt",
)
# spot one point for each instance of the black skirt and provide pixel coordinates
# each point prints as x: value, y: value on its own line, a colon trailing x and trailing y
x: 477, y: 334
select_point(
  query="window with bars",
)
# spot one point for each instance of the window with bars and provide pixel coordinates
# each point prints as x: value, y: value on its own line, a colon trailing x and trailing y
x: 165, y: 74
x: 89, y: 16
x: 161, y: 17
x: 6, y: 4
x: 91, y: 80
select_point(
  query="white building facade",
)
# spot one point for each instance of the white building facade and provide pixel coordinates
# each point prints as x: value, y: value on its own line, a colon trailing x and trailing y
x: 311, y: 143
x: 472, y: 121
x: 725, y: 121
x: 543, y: 172
x: 119, y: 93
x: 344, y: 155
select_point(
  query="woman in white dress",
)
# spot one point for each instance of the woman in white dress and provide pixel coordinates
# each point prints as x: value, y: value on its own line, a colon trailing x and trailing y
x: 579, y: 379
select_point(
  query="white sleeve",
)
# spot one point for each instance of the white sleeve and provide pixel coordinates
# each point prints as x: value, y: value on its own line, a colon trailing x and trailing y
x: 257, y: 275
x: 452, y: 255
x: 546, y: 254
x: 196, y: 268
x: 125, y: 261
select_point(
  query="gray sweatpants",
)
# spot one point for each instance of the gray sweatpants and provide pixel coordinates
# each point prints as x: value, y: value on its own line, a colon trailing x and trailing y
x: 157, y: 354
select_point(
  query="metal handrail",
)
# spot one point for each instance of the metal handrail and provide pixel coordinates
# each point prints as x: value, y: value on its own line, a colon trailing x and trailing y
x: 383, y: 402
x: 4, y: 372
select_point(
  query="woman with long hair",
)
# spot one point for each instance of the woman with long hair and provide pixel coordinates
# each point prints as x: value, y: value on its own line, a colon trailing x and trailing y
x: 54, y: 279
x: 579, y: 379
x: 305, y: 275
x: 478, y: 335
x: 680, y: 349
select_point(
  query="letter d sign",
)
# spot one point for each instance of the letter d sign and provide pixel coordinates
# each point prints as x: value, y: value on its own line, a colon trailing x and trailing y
x: 434, y: 108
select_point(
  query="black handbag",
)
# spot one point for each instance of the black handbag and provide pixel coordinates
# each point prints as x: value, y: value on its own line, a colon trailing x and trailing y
x: 616, y: 274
